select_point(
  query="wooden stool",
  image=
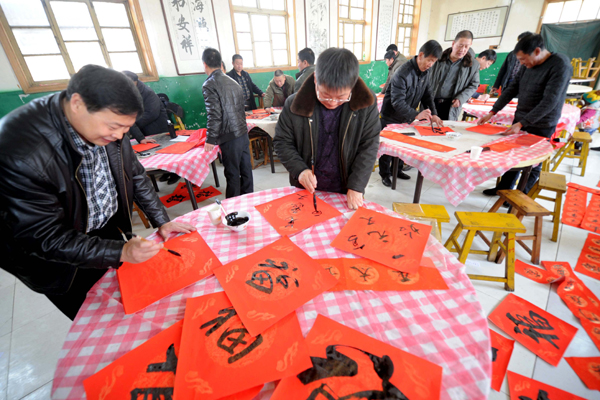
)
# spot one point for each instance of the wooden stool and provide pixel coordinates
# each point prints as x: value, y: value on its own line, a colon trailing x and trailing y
x: 145, y: 221
x: 257, y: 143
x: 474, y: 222
x: 553, y: 183
x: 569, y: 151
x: 438, y: 213
x: 523, y: 206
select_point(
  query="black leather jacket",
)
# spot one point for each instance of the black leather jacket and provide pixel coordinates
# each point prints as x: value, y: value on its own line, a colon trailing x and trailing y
x: 43, y: 208
x: 224, y: 99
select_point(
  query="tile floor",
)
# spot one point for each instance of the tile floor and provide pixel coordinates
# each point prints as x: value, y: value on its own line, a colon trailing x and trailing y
x: 32, y: 330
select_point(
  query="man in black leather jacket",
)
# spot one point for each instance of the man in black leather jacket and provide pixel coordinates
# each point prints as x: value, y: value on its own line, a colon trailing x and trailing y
x: 226, y: 125
x: 67, y: 186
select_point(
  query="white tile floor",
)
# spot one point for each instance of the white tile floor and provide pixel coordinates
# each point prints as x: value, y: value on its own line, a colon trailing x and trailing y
x: 32, y: 330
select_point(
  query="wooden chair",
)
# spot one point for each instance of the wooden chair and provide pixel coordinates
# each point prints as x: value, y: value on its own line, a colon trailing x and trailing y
x: 141, y: 214
x: 430, y: 211
x: 474, y: 223
x: 585, y: 69
x: 569, y: 151
x: 553, y: 183
x: 257, y: 143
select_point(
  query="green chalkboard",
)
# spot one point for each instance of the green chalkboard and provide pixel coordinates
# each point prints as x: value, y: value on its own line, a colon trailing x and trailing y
x: 488, y: 76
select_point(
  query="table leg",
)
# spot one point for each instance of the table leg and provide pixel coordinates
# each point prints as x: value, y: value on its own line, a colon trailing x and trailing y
x: 418, y: 188
x: 270, y: 145
x: 192, y: 194
x: 524, y: 177
x: 153, y: 179
x: 215, y: 175
x: 395, y: 163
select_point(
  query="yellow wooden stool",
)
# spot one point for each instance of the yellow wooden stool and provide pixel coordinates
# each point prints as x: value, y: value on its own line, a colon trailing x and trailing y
x: 431, y: 211
x: 500, y: 224
x: 569, y: 151
x: 556, y: 183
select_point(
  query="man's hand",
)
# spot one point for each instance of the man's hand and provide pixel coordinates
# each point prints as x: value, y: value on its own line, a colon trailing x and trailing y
x: 484, y: 97
x: 308, y: 180
x: 208, y: 147
x: 355, y: 199
x: 493, y: 91
x: 456, y: 103
x: 175, y: 227
x: 137, y: 250
x: 269, y: 109
x: 485, y: 118
x: 515, y: 128
x: 146, y: 141
x: 436, y: 120
x: 425, y: 114
x: 263, y: 95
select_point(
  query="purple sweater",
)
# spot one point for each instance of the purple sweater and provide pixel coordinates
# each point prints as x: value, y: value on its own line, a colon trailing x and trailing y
x: 327, y: 163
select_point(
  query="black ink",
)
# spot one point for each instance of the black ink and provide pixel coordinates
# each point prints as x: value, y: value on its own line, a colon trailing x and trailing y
x: 494, y: 354
x: 403, y: 275
x: 182, y: 24
x: 381, y: 235
x: 354, y: 240
x: 152, y: 394
x: 542, y: 395
x: 170, y: 365
x: 219, y: 321
x: 263, y: 276
x: 162, y: 393
x: 369, y: 220
x: 531, y: 323
x: 176, y: 197
x: 363, y: 274
x: 397, y: 256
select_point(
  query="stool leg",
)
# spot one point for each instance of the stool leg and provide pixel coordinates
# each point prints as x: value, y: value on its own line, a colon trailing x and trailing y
x: 464, y: 252
x: 440, y: 226
x: 449, y: 245
x: 567, y: 148
x: 556, y: 216
x: 510, y: 263
x: 535, y: 191
x: 537, y: 241
x: 585, y: 149
x: 494, y: 246
x: 496, y: 205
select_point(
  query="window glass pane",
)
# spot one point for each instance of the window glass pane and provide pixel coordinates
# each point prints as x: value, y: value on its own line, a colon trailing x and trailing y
x: 277, y: 24
x: 400, y: 33
x: 409, y: 10
x: 266, y: 4
x: 24, y: 12
x: 552, y: 13
x: 570, y: 11
x: 263, y: 54
x: 244, y: 41
x: 408, y: 31
x: 279, y: 41
x: 357, y: 14
x: 406, y: 51
x: 248, y: 61
x: 279, y: 5
x: 348, y: 37
x: 358, y: 3
x: 241, y: 22
x: 126, y: 61
x: 341, y: 41
x: 111, y: 14
x: 260, y: 27
x: 341, y: 29
x: 343, y: 12
x: 249, y: 3
x: 118, y: 39
x: 47, y: 68
x: 401, y: 10
x: 281, y: 57
x: 349, y: 46
x: 85, y: 53
x: 74, y: 20
x: 589, y: 10
x: 358, y: 33
x: 36, y: 41
x: 236, y: 2
x: 344, y: 2
x: 358, y: 51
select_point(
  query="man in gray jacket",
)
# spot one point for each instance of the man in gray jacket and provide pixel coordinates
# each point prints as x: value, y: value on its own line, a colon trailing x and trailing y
x: 455, y: 77
x: 306, y: 66
x: 226, y: 125
x: 331, y: 125
x: 393, y: 60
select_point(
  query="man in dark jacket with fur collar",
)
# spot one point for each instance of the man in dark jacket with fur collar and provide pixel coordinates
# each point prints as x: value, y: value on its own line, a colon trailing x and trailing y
x: 331, y: 125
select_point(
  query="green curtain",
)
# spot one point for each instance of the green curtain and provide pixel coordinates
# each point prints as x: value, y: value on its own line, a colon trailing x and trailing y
x: 581, y: 40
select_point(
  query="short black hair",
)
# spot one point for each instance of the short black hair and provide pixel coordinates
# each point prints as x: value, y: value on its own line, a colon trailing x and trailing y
x: 522, y: 35
x: 489, y: 55
x: 464, y: 35
x: 212, y: 58
x: 102, y: 88
x: 431, y: 48
x: 392, y: 47
x: 389, y: 55
x: 529, y: 43
x: 337, y: 68
x: 131, y: 75
x: 223, y: 65
x: 236, y: 57
x: 278, y: 72
x: 306, y: 54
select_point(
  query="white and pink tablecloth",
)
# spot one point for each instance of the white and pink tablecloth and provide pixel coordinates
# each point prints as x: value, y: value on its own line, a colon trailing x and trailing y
x: 447, y: 327
x: 458, y: 176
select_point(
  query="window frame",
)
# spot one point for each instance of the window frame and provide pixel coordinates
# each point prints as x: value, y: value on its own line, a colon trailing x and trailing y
x: 412, y: 48
x: 367, y: 23
x: 21, y: 70
x: 545, y: 7
x: 258, y: 11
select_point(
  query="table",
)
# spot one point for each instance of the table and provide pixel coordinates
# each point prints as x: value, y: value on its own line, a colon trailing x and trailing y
x: 578, y: 89
x: 267, y: 126
x: 379, y: 101
x: 458, y: 175
x: 447, y: 327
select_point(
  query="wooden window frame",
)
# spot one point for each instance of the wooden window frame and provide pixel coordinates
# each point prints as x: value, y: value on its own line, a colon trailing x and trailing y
x: 259, y: 11
x: 367, y: 24
x: 21, y: 70
x: 545, y: 7
x: 414, y: 34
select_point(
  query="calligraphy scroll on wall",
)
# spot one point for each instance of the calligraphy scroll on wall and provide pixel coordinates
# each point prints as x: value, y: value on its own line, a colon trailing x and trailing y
x: 384, y: 27
x: 317, y: 25
x: 192, y: 28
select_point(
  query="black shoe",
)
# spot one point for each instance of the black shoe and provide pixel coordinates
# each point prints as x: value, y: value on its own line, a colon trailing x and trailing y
x: 173, y: 179
x: 505, y: 204
x: 491, y: 192
x: 402, y: 175
x: 595, y: 148
x: 164, y: 177
x: 406, y: 167
x: 386, y: 181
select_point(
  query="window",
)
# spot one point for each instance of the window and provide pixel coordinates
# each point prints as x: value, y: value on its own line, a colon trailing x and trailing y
x: 261, y: 32
x: 408, y: 26
x: 47, y: 41
x: 571, y: 11
x: 354, y: 27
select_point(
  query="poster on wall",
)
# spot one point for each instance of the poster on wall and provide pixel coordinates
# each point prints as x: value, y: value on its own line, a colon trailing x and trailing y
x: 192, y: 28
x: 384, y: 27
x: 484, y: 23
x: 317, y: 25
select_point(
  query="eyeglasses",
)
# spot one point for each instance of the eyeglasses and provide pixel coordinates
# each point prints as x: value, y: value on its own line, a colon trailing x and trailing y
x: 333, y: 100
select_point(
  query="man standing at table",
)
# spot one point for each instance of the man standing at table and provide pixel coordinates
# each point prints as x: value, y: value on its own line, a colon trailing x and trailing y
x: 226, y: 125
x: 280, y: 88
x: 331, y: 124
x: 509, y: 69
x: 541, y: 88
x: 243, y: 79
x: 306, y: 66
x: 67, y: 191
x: 455, y: 77
x: 408, y: 88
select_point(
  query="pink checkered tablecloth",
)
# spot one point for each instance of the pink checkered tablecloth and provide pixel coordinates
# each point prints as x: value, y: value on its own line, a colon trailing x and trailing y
x: 379, y: 101
x: 446, y: 327
x: 193, y: 165
x: 459, y: 176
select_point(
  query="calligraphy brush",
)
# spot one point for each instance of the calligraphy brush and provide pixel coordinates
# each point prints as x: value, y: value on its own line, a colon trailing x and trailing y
x: 434, y: 129
x: 164, y: 248
x: 315, y: 192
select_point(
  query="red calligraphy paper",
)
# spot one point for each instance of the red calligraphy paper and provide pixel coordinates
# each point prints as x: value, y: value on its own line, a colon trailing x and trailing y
x: 502, y: 349
x: 487, y: 129
x: 481, y: 88
x: 587, y: 369
x: 181, y: 194
x: 179, y: 148
x: 394, y: 242
x: 589, y: 259
x: 201, y: 132
x: 138, y: 148
x: 144, y: 283
x: 258, y: 116
x: 260, y: 111
x: 347, y: 364
x: 523, y: 388
x: 219, y: 357
x: 439, y: 131
x: 291, y: 214
x: 267, y: 285
x: 536, y: 329
x: 502, y: 146
x: 592, y: 329
x: 528, y: 140
x: 364, y: 274
x: 534, y: 273
x: 416, y: 142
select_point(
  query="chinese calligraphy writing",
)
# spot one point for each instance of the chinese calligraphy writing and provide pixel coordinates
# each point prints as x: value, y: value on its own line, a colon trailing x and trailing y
x: 182, y: 24
x: 263, y: 276
x: 533, y: 323
x: 186, y: 43
x: 177, y: 4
